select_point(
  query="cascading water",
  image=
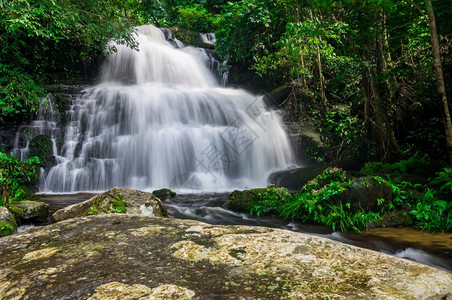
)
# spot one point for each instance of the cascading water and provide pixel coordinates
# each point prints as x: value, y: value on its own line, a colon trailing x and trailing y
x: 160, y: 119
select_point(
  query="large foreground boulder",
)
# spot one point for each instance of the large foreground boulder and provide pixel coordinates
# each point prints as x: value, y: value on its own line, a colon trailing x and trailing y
x: 120, y: 256
x: 8, y: 223
x: 116, y: 200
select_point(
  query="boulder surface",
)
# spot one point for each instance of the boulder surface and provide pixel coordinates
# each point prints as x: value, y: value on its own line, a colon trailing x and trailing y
x: 121, y: 256
x: 8, y: 224
x: 115, y: 200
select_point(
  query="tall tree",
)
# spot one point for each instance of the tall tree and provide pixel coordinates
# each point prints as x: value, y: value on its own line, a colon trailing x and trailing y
x: 440, y: 76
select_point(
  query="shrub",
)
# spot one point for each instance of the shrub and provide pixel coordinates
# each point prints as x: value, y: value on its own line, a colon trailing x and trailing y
x: 270, y: 201
x: 14, y: 175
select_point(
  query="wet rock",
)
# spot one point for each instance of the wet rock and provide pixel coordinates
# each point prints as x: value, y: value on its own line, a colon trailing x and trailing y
x: 116, y: 200
x: 241, y: 201
x: 120, y: 256
x: 294, y: 179
x: 164, y: 194
x: 33, y: 211
x: 8, y: 223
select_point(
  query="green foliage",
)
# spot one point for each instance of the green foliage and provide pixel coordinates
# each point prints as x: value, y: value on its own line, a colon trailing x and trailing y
x: 398, y: 190
x: 196, y: 18
x: 15, y: 175
x: 40, y: 38
x: 341, y: 133
x: 444, y: 180
x: 316, y: 202
x: 410, y: 165
x: 247, y: 29
x: 270, y: 201
x: 320, y: 201
x: 6, y: 229
x: 433, y: 214
x: 19, y: 93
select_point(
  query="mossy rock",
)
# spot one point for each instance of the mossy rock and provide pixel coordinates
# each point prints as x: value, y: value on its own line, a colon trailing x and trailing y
x: 8, y: 223
x: 116, y: 200
x: 368, y: 194
x: 41, y: 146
x: 241, y: 201
x: 17, y: 213
x: 32, y: 211
x: 164, y: 194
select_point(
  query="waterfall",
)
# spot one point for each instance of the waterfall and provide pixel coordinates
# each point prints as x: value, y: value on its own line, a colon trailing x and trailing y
x: 159, y: 118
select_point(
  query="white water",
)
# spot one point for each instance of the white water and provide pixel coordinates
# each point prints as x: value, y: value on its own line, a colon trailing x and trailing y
x: 160, y: 119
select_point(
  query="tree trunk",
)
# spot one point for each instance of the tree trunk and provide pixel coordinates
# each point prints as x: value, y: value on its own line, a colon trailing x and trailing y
x: 5, y: 197
x: 440, y: 77
x: 376, y: 111
x: 319, y: 67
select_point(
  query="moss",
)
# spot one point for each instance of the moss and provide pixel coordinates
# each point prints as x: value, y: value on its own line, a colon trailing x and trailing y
x: 6, y: 229
x: 92, y: 211
x: 17, y: 213
x: 118, y: 203
x: 241, y: 201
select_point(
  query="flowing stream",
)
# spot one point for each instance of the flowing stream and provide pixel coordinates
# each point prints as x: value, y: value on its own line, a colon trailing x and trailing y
x: 160, y: 118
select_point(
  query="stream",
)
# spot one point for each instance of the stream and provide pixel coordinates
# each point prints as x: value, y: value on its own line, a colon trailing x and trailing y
x: 433, y: 249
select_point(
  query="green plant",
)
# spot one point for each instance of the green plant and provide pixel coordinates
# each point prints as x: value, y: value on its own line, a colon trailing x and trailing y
x: 14, y: 175
x: 340, y: 218
x: 444, y: 181
x: 270, y: 201
x: 409, y: 165
x: 433, y: 214
x: 317, y: 202
x: 6, y: 229
x: 398, y: 190
x: 195, y: 18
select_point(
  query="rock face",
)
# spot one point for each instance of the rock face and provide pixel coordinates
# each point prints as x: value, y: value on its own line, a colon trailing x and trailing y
x: 33, y: 211
x: 8, y: 224
x: 116, y: 200
x: 120, y: 256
